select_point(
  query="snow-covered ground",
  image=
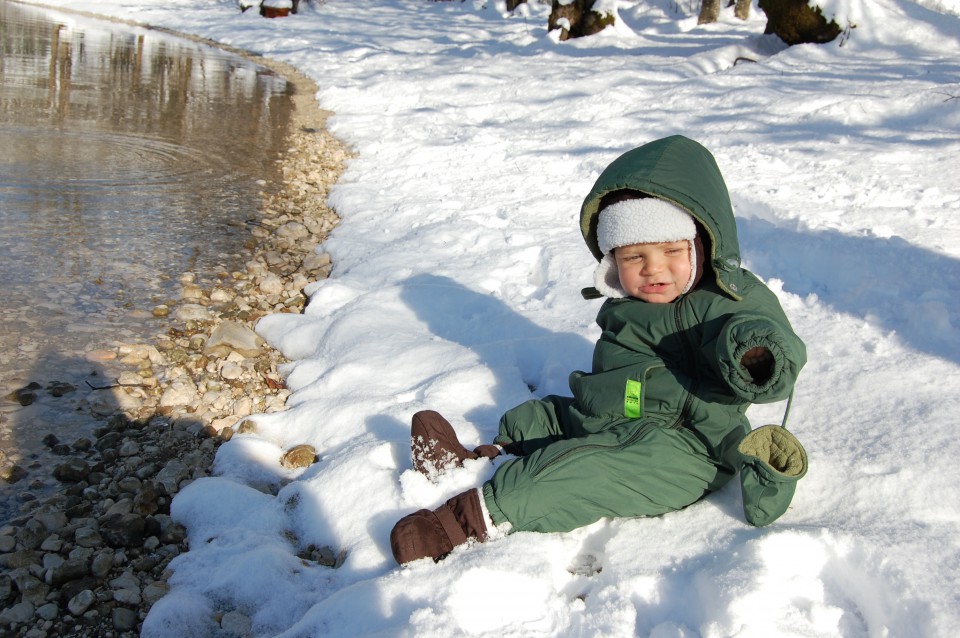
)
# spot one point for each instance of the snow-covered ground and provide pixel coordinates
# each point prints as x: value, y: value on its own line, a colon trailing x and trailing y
x: 456, y: 287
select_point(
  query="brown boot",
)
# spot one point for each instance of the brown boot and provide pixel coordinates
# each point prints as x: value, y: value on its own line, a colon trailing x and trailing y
x: 435, y: 534
x: 435, y: 447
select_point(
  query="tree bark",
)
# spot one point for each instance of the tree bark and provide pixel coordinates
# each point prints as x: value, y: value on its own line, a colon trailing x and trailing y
x: 742, y: 9
x: 709, y: 12
x: 513, y: 4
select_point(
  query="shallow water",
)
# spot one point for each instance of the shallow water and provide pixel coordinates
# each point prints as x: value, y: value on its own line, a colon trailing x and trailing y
x: 127, y: 157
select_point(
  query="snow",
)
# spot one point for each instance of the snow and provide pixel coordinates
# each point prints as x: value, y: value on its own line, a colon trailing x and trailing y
x: 458, y: 266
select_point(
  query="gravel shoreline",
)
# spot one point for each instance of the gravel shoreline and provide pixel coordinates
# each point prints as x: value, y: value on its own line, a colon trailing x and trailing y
x: 91, y: 559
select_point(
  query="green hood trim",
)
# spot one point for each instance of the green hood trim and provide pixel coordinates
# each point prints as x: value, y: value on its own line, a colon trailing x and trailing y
x: 681, y: 171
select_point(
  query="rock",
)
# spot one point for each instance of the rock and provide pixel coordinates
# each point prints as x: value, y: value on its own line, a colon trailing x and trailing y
x: 73, y: 471
x: 19, y: 613
x: 171, y: 475
x: 292, y: 230
x: 124, y: 619
x: 53, y: 520
x: 26, y: 395
x: 154, y: 592
x: 236, y: 624
x: 271, y: 285
x: 11, y: 472
x: 71, y: 569
x: 303, y: 455
x: 19, y: 559
x: 81, y: 602
x: 193, y: 312
x: 32, y: 589
x: 102, y: 564
x: 123, y: 530
x: 59, y: 388
x: 230, y: 371
x: 146, y: 500
x: 315, y: 261
x: 180, y: 393
x: 87, y: 537
x: 32, y: 534
x: 48, y: 612
x: 7, y: 543
x: 233, y: 336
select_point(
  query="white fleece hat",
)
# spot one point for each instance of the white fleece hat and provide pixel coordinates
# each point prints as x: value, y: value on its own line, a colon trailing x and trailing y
x: 639, y: 221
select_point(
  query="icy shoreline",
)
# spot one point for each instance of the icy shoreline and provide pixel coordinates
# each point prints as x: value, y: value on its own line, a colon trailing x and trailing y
x: 91, y: 558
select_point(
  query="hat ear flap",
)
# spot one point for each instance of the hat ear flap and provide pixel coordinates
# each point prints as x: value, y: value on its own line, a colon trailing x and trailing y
x: 606, y: 278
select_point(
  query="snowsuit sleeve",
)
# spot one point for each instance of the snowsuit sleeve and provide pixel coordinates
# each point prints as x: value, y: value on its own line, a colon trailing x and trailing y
x: 759, y: 325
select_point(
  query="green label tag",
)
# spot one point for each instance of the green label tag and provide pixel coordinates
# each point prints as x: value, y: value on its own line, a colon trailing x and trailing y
x: 631, y: 399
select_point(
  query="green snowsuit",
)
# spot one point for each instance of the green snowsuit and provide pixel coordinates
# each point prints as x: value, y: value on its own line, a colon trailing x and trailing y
x: 655, y: 425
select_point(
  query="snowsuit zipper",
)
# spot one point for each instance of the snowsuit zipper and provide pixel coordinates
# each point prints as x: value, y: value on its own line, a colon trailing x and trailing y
x: 681, y: 421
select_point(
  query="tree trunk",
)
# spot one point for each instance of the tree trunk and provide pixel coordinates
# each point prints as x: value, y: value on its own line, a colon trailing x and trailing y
x: 709, y: 12
x: 513, y: 4
x: 577, y: 19
x: 795, y: 22
x: 742, y: 9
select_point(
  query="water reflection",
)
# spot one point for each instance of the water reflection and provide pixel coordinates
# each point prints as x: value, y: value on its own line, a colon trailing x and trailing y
x: 128, y: 157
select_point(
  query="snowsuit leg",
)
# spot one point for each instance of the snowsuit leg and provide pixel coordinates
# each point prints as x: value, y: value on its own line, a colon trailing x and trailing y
x: 633, y: 468
x: 535, y: 424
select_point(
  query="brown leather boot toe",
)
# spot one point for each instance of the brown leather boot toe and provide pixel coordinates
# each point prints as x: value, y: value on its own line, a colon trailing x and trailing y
x: 434, y: 444
x: 435, y: 534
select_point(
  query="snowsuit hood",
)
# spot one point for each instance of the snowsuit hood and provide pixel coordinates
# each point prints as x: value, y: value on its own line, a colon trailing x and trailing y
x: 681, y: 171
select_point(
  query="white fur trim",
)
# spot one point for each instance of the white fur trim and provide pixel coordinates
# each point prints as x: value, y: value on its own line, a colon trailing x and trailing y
x: 606, y: 278
x: 643, y: 221
x: 493, y: 531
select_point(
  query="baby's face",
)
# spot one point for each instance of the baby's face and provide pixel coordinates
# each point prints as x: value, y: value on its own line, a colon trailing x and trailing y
x: 655, y: 273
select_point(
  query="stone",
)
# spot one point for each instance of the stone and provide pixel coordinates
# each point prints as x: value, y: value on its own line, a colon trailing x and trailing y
x: 12, y: 473
x: 71, y: 569
x: 271, y: 285
x: 179, y: 393
x: 236, y: 624
x: 7, y: 543
x: 193, y: 312
x: 87, y: 537
x: 154, y: 592
x: 48, y: 612
x: 171, y: 475
x: 51, y: 518
x: 81, y: 602
x: 124, y: 619
x: 146, y: 501
x: 303, y: 455
x: 127, y: 596
x: 72, y: 471
x: 102, y: 563
x: 233, y: 336
x: 123, y: 530
x: 315, y: 261
x: 292, y: 230
x: 32, y: 534
x: 19, y: 613
x: 230, y: 371
x: 32, y: 589
x: 19, y: 559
